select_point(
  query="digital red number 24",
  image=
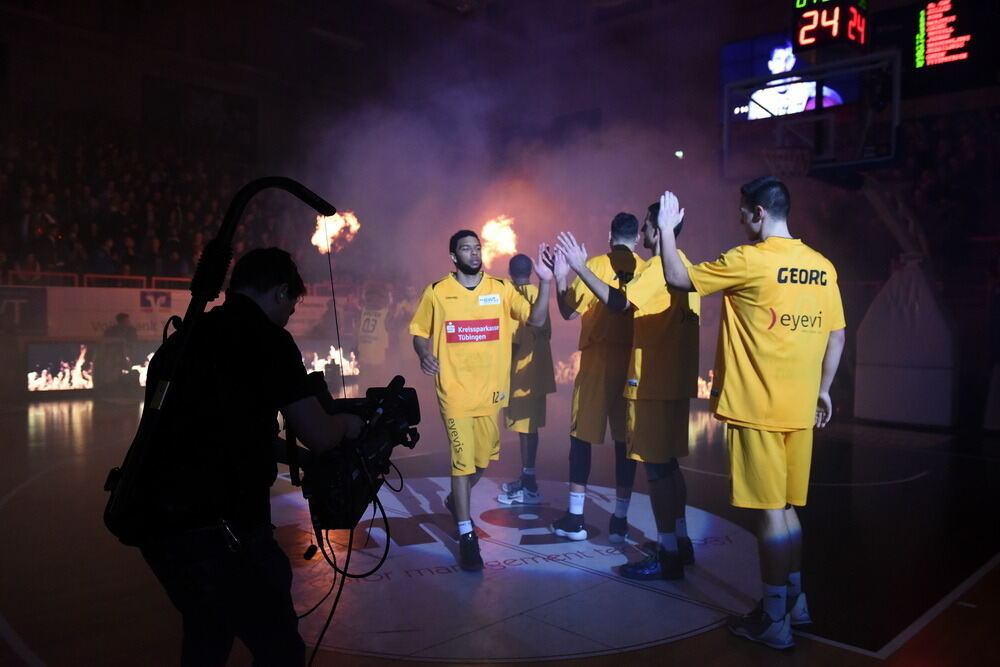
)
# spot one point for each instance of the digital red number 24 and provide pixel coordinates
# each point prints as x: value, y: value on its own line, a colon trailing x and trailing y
x: 817, y: 18
x: 856, y: 27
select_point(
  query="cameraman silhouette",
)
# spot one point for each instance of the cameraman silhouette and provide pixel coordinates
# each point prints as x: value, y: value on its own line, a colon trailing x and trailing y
x: 208, y: 499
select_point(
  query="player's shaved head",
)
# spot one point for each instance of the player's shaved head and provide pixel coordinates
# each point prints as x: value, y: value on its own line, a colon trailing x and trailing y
x: 624, y: 228
x: 520, y: 266
x: 768, y: 193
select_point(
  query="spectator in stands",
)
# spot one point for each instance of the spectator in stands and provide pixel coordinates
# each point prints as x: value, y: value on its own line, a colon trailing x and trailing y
x: 77, y: 259
x: 28, y: 270
x: 175, y: 266
x: 152, y: 259
x: 51, y: 248
x: 129, y: 254
x: 103, y: 260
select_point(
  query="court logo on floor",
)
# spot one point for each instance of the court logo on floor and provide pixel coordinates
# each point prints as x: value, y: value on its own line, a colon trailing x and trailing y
x: 539, y: 596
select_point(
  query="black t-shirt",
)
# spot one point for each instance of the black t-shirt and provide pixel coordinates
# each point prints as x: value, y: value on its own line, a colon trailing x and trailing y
x: 214, y: 455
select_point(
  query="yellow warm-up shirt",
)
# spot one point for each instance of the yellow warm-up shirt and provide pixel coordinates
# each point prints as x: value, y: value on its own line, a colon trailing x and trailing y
x: 531, y: 372
x: 780, y: 303
x: 470, y: 332
x: 597, y: 323
x: 664, y: 361
x: 373, y: 339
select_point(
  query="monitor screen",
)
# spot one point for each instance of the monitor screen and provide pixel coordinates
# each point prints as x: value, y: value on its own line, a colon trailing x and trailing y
x: 773, y: 55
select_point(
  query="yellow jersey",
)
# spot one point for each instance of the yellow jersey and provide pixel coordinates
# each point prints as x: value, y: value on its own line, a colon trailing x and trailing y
x: 780, y: 304
x: 664, y: 361
x: 597, y: 323
x: 373, y: 339
x: 531, y: 371
x: 470, y: 332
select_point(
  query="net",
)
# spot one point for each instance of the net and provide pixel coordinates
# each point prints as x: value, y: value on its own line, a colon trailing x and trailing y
x: 788, y: 161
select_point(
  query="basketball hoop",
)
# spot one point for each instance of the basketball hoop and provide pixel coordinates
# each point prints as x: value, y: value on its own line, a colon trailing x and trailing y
x: 788, y: 161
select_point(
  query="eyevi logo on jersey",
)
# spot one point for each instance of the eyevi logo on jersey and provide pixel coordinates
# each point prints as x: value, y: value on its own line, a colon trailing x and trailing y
x: 801, y: 276
x: 489, y: 300
x: 795, y: 322
x: 472, y: 331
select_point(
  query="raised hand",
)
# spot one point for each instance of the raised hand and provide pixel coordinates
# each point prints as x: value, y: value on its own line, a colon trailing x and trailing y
x: 561, y: 267
x: 545, y: 262
x: 575, y: 253
x: 670, y: 214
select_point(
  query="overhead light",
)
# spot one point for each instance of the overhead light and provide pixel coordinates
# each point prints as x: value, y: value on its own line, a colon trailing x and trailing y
x: 679, y: 155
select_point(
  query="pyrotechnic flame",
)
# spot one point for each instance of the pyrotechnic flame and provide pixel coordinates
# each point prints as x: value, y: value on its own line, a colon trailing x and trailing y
x: 705, y: 386
x: 335, y: 231
x: 498, y: 238
x: 566, y: 371
x: 70, y: 376
x: 348, y: 365
x: 142, y: 369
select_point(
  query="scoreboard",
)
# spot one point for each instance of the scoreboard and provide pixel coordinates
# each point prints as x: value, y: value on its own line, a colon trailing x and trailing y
x: 821, y: 23
x: 944, y: 44
x: 937, y: 41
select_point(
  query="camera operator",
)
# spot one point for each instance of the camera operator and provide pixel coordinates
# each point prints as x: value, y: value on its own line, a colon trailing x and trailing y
x: 208, y: 501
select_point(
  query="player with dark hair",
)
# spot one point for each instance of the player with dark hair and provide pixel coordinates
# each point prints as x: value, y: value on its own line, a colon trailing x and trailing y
x: 605, y: 345
x: 662, y: 378
x: 462, y: 333
x: 531, y: 378
x: 780, y: 341
x: 215, y: 460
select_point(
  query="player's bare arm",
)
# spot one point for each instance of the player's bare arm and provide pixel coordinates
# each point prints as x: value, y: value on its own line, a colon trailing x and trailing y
x: 576, y: 257
x: 671, y: 215
x: 561, y: 271
x: 428, y: 362
x: 831, y: 360
x: 543, y: 269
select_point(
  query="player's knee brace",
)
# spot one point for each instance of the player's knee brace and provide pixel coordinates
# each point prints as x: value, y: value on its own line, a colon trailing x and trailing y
x: 658, y: 471
x: 579, y: 461
x: 624, y: 467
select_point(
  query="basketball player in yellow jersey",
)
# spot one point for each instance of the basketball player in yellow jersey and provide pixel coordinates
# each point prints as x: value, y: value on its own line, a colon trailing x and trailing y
x: 662, y: 378
x: 605, y: 345
x: 373, y: 334
x: 780, y: 341
x: 462, y: 333
x: 531, y: 378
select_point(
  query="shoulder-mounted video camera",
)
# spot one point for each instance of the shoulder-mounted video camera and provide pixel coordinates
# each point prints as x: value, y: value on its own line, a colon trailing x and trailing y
x: 341, y: 483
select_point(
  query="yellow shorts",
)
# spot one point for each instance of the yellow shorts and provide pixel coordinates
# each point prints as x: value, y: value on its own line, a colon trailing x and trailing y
x: 525, y: 414
x: 597, y: 393
x: 474, y: 442
x: 768, y: 469
x: 657, y: 430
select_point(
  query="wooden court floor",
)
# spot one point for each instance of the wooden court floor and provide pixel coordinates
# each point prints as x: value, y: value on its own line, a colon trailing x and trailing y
x: 902, y: 530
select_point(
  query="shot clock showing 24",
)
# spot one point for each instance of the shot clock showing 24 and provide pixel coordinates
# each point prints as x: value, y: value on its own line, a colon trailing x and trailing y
x: 819, y: 23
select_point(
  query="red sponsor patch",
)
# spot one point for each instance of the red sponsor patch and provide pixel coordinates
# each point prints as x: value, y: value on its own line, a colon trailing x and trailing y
x: 472, y: 331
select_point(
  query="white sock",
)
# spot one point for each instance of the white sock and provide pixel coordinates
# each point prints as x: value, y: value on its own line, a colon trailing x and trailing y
x: 621, y: 507
x: 464, y: 527
x: 774, y: 602
x: 668, y: 541
x: 682, y: 527
x: 576, y: 502
x: 794, y: 585
x: 528, y: 472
